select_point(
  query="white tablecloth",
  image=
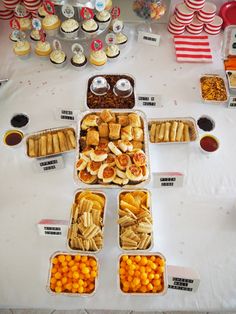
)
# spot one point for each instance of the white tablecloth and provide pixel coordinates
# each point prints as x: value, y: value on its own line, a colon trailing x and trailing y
x: 194, y: 226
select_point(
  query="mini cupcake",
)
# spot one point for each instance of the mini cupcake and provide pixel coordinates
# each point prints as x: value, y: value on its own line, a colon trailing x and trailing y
x: 25, y: 24
x: 70, y: 28
x: 89, y: 26
x: 58, y: 58
x: 22, y: 49
x: 12, y: 37
x: 103, y: 19
x: 34, y: 35
x: 98, y: 58
x: 112, y: 52
x: 43, y: 49
x: 51, y: 24
x: 41, y: 12
x: 121, y: 39
x: 79, y: 61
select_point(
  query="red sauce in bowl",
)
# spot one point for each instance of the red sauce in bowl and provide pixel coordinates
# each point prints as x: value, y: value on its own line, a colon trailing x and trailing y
x: 209, y: 144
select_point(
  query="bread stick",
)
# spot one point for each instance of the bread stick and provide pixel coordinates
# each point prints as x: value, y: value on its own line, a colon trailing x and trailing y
x: 72, y: 138
x: 55, y: 143
x: 162, y: 132
x: 31, y: 148
x: 62, y: 141
x: 49, y: 143
x: 43, y: 145
x: 167, y: 132
x: 179, y: 131
x: 173, y: 131
x: 152, y: 133
x: 158, y: 126
x: 186, y: 133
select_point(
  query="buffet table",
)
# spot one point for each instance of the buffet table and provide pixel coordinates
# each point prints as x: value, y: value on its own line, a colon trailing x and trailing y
x: 194, y: 225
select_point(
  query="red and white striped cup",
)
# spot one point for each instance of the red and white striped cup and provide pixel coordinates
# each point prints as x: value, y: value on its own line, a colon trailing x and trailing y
x: 192, y: 31
x: 195, y: 4
x: 204, y: 19
x: 196, y: 24
x: 32, y: 5
x: 10, y: 4
x: 216, y: 24
x: 210, y: 32
x: 6, y: 14
x: 183, y: 11
x: 209, y: 9
x: 174, y: 31
x: 183, y: 21
x: 175, y: 25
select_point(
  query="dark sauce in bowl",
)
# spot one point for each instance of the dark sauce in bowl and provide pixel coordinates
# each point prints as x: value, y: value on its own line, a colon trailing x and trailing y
x: 19, y: 120
x: 13, y: 137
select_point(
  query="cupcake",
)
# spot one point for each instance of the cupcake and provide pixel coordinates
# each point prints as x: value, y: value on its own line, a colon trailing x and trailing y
x: 98, y: 58
x: 103, y: 19
x: 34, y: 35
x: 12, y: 37
x: 41, y: 12
x: 25, y: 24
x: 22, y: 49
x: 89, y: 26
x: 50, y: 24
x: 79, y: 61
x: 43, y: 49
x: 58, y: 58
x: 121, y: 39
x: 70, y: 28
x: 112, y: 52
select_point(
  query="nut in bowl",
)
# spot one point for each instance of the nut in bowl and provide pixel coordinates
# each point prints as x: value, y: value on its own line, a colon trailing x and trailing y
x: 72, y: 274
x: 135, y: 220
x: 142, y: 274
x: 115, y: 143
x: 213, y: 89
x: 87, y: 221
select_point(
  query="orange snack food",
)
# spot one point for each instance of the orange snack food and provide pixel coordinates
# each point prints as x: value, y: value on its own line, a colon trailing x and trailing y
x: 142, y: 274
x: 73, y: 274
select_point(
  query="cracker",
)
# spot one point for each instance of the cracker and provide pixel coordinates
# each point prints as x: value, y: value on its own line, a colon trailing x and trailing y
x: 144, y: 227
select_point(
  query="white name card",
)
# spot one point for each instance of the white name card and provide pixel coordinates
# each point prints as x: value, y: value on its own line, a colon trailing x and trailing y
x: 49, y: 163
x: 66, y: 114
x: 232, y: 102
x: 52, y: 227
x: 168, y: 179
x: 182, y: 278
x: 149, y: 100
x: 149, y: 38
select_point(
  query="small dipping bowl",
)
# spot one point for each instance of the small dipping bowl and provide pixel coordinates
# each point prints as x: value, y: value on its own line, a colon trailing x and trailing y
x: 99, y: 86
x: 20, y: 120
x: 13, y: 138
x: 209, y: 144
x: 123, y: 88
x: 206, y: 123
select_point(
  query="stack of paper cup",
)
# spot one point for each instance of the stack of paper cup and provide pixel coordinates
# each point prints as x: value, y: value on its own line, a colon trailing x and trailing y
x: 35, y: 14
x: 195, y: 5
x: 214, y: 27
x: 6, y: 14
x: 195, y: 27
x: 183, y: 14
x: 207, y: 13
x: 27, y: 15
x: 10, y: 4
x: 174, y: 27
x: 32, y: 5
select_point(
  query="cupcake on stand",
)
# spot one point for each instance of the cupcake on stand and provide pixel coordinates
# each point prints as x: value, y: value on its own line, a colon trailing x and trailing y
x: 79, y: 60
x: 112, y: 50
x: 98, y: 57
x: 89, y: 25
x: 58, y: 56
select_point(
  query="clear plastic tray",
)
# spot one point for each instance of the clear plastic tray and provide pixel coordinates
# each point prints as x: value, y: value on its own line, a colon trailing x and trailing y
x: 161, y: 293
x: 231, y: 86
x: 150, y: 208
x: 68, y: 293
x: 42, y: 132
x: 191, y: 122
x: 103, y: 221
x: 123, y: 74
x: 214, y: 101
x: 228, y: 40
x: 146, y: 151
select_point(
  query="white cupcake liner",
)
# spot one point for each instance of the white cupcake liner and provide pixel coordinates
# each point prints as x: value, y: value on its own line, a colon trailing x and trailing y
x: 71, y: 35
x: 59, y: 65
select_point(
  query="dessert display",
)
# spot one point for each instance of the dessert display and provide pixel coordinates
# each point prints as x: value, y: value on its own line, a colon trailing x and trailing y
x: 70, y: 28
x: 117, y: 143
x: 142, y: 274
x: 50, y: 142
x: 22, y: 48
x: 172, y: 130
x: 213, y: 88
x: 209, y: 143
x: 87, y: 219
x: 107, y: 98
x: 73, y: 274
x: 135, y: 220
x: 13, y: 138
x: 43, y: 48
